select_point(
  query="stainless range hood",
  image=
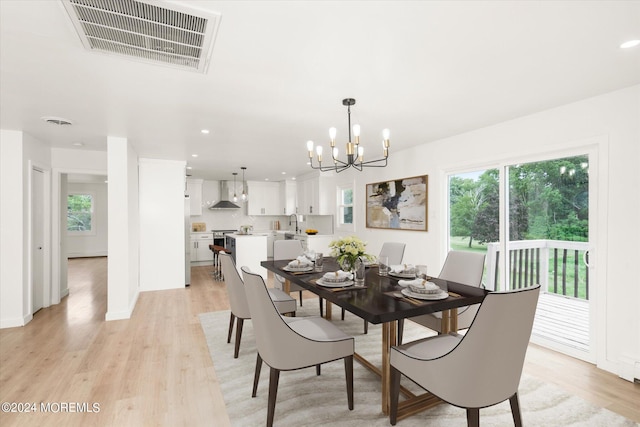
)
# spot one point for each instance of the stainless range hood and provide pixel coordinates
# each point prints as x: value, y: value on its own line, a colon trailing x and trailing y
x: 224, y: 202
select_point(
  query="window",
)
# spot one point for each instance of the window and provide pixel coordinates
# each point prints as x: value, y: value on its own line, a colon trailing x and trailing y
x: 345, y: 207
x: 80, y: 213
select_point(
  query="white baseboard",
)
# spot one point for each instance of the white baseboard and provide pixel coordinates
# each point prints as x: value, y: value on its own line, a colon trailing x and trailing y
x: 122, y: 315
x: 628, y: 368
x: 13, y: 323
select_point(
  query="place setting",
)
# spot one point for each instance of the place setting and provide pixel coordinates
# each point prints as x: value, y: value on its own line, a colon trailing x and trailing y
x: 300, y: 265
x: 337, y: 281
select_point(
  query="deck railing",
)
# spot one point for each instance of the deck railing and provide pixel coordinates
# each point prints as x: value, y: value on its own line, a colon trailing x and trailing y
x: 561, y: 267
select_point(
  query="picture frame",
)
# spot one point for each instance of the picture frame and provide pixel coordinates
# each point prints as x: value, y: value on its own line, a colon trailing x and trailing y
x: 399, y: 204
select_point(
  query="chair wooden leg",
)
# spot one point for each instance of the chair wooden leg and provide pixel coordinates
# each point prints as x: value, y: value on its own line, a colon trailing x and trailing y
x: 395, y: 394
x: 515, y: 410
x: 273, y: 392
x: 400, y: 330
x: 231, y: 320
x: 238, y: 337
x: 473, y: 417
x: 366, y: 327
x: 318, y: 369
x: 348, y: 371
x: 256, y: 376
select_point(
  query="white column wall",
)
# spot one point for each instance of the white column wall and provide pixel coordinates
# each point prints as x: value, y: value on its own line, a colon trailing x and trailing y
x: 162, y: 228
x: 123, y: 237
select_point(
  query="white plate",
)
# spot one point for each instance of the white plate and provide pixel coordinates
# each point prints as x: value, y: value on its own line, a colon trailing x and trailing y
x: 403, y: 275
x: 334, y: 284
x: 297, y: 270
x: 440, y: 295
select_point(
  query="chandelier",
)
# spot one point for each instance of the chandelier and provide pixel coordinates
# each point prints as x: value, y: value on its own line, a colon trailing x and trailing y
x: 355, y: 152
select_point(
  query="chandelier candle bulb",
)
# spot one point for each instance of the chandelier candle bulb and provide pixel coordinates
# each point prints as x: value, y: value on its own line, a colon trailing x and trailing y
x: 356, y: 134
x: 360, y: 153
x: 332, y: 136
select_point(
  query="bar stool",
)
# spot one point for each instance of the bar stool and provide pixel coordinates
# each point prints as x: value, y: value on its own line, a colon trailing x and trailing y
x: 217, y: 265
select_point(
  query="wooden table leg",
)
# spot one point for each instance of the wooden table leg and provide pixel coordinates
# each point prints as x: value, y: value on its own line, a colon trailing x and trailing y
x: 449, y: 322
x: 445, y: 322
x: 453, y: 321
x: 389, y: 339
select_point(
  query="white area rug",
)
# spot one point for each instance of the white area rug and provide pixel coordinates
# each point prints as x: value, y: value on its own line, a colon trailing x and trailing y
x: 305, y: 399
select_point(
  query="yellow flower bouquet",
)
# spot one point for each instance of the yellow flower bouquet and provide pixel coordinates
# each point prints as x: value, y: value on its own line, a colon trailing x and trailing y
x: 347, y: 250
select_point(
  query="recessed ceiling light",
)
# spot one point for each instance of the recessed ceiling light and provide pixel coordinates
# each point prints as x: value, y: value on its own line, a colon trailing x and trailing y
x: 266, y: 179
x: 205, y: 131
x: 77, y: 144
x: 630, y: 43
x: 293, y: 178
x: 194, y: 155
x: 284, y: 173
x: 189, y: 167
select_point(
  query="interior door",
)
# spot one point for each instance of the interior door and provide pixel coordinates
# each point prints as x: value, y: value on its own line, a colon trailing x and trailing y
x: 37, y: 239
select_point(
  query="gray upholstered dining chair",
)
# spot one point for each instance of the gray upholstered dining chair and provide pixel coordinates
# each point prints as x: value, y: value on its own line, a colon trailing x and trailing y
x: 289, y: 249
x: 461, y: 267
x: 395, y: 252
x: 477, y: 370
x: 289, y: 344
x: 238, y: 300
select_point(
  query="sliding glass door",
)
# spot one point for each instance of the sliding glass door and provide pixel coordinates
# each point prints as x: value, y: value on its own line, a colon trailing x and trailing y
x: 532, y: 221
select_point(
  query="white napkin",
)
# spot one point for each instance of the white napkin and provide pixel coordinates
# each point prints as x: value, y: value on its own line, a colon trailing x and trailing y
x: 337, y: 276
x: 400, y: 268
x: 300, y: 262
x: 414, y: 282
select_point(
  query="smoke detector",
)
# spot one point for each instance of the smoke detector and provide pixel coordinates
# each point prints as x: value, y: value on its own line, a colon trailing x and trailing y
x: 164, y: 33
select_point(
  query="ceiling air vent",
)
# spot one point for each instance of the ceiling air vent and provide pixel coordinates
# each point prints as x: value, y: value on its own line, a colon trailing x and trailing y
x: 166, y: 33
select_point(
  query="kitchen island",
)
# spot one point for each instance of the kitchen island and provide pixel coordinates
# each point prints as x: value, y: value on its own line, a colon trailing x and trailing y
x: 248, y: 250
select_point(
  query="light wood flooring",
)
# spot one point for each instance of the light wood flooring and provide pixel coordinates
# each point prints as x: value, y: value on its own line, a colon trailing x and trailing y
x: 155, y: 370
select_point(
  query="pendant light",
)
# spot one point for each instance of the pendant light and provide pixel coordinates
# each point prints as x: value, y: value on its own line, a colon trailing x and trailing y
x: 235, y: 197
x: 244, y: 195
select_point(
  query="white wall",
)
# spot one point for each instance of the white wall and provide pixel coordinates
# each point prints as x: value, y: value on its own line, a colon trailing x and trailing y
x: 162, y: 239
x: 123, y: 240
x: 613, y: 118
x: 95, y: 244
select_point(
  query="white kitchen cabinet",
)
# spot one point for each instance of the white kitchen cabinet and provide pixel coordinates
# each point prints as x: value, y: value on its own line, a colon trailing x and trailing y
x: 194, y: 190
x: 316, y: 195
x: 200, y: 247
x: 264, y: 198
x: 288, y: 203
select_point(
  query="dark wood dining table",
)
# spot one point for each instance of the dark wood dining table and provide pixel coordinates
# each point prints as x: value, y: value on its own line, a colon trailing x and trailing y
x: 378, y: 302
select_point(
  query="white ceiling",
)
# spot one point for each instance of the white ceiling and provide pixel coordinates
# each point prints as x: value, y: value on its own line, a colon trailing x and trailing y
x: 279, y: 71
